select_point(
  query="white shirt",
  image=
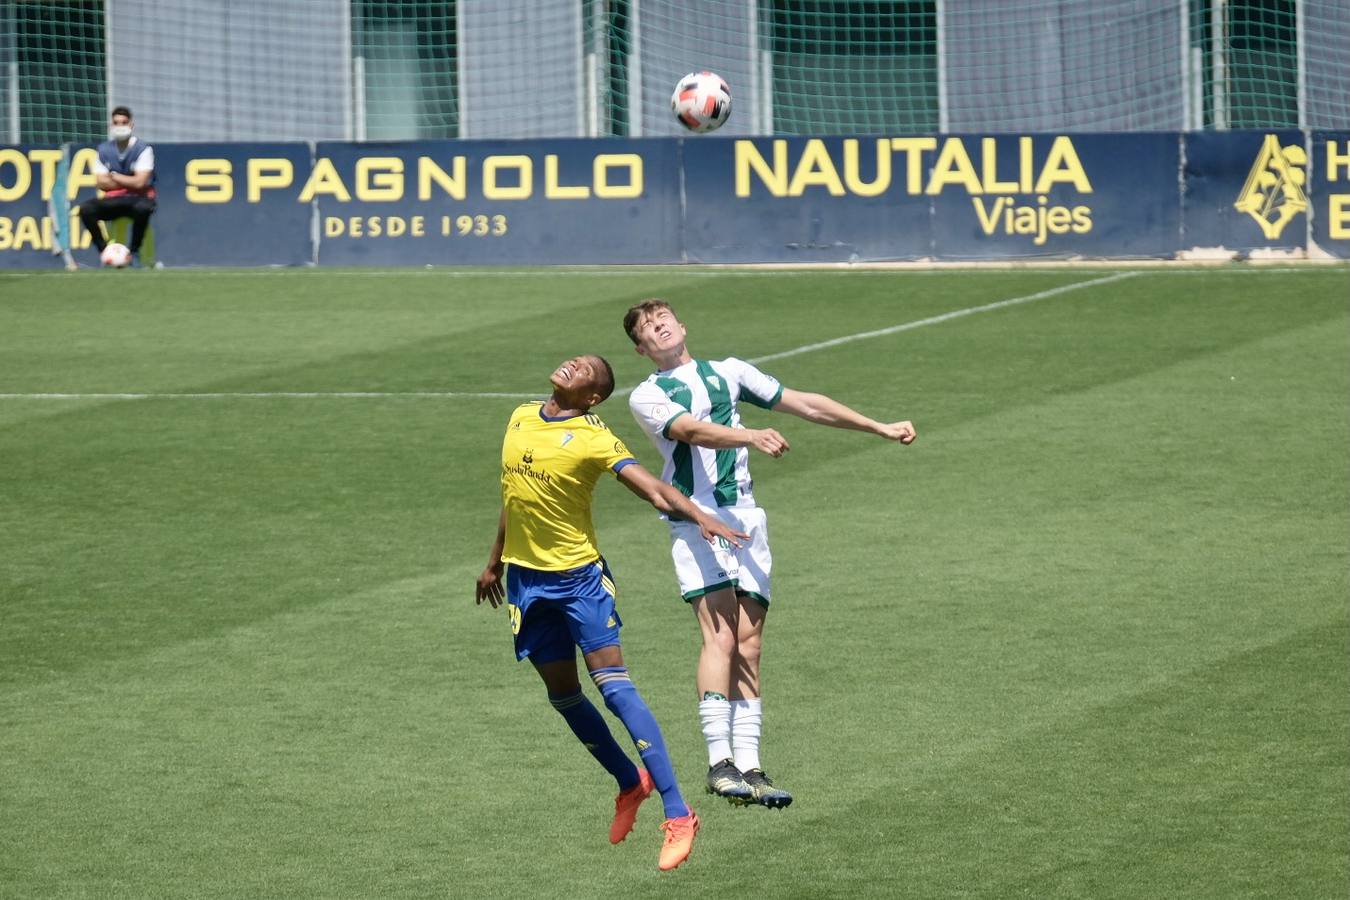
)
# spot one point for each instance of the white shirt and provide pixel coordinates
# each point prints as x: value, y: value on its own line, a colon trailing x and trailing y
x: 708, y: 390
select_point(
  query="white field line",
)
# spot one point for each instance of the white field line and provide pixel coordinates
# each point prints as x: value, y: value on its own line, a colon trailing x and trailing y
x: 945, y: 317
x: 382, y: 395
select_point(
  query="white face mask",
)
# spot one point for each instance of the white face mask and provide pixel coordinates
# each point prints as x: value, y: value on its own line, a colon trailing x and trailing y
x: 120, y: 132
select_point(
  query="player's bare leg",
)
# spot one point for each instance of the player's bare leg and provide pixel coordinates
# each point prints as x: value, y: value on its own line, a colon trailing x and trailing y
x: 746, y: 707
x: 718, y: 615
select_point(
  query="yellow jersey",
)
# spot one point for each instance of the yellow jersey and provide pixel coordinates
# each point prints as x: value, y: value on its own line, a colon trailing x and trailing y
x: 549, y: 471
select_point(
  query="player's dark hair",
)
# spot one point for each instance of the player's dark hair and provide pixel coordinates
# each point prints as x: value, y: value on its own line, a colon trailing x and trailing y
x: 605, y: 386
x: 121, y: 111
x: 634, y: 315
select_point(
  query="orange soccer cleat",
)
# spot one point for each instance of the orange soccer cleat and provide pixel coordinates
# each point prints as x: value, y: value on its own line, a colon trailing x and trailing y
x: 626, y: 807
x: 679, y: 840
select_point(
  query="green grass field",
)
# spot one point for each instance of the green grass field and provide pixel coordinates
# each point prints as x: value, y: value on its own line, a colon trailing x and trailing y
x: 1086, y: 638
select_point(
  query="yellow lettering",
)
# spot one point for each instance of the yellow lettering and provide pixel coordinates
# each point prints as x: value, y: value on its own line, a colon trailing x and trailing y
x: 525, y: 177
x: 1336, y: 159
x: 396, y: 226
x: 28, y: 233
x: 555, y: 191
x: 453, y: 184
x: 1057, y: 220
x: 209, y: 181
x: 853, y: 176
x: 6, y: 232
x: 989, y: 218
x: 46, y: 160
x: 1338, y: 216
x: 773, y: 178
x: 1063, y: 167
x: 354, y: 226
x: 268, y: 174
x: 332, y: 226
x: 1024, y: 220
x: 373, y: 224
x: 989, y: 167
x: 953, y: 166
x: 600, y: 176
x: 1082, y: 219
x: 379, y: 178
x: 815, y: 168
x: 1026, y: 159
x: 914, y: 148
x: 419, y: 226
x: 324, y: 179
x: 23, y: 175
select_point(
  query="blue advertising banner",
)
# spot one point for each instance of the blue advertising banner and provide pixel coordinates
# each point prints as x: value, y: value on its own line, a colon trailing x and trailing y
x: 711, y: 199
x: 229, y: 205
x: 949, y: 197
x: 233, y: 205
x: 27, y: 177
x: 498, y: 202
x: 1330, y: 190
x: 1244, y: 190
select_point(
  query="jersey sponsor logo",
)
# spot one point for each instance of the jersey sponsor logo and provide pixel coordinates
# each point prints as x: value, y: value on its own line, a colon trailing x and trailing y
x: 1274, y: 193
x: 515, y: 426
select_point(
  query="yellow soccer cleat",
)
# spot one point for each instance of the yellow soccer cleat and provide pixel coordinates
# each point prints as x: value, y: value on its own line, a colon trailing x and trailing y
x: 626, y: 807
x: 679, y: 840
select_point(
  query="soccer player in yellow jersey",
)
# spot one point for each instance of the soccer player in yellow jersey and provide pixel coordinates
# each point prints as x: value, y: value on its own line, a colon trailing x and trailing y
x: 560, y: 593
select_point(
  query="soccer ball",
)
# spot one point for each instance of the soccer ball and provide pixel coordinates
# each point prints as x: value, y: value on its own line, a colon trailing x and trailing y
x: 702, y: 101
x: 115, y: 256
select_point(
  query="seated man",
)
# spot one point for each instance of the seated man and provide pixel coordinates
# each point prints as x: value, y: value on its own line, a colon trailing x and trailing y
x: 126, y: 176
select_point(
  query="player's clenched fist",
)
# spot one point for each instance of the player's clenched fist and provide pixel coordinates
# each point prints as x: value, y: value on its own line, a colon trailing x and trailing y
x: 899, y: 431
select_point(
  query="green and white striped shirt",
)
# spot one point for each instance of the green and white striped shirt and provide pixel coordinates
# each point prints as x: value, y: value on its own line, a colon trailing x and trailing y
x: 709, y: 391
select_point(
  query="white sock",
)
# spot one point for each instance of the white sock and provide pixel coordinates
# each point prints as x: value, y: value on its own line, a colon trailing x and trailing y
x: 716, y: 718
x: 747, y: 719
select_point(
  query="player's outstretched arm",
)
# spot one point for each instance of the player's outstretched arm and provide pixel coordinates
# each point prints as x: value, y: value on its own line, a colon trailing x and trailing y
x: 489, y: 585
x: 826, y: 411
x: 668, y: 500
x: 689, y: 430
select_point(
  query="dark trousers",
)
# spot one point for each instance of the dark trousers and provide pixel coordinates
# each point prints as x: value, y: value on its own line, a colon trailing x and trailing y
x: 138, y: 209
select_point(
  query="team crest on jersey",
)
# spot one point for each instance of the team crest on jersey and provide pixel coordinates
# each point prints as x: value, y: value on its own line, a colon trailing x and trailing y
x: 715, y: 382
x: 528, y: 457
x: 567, y: 438
x: 1274, y: 193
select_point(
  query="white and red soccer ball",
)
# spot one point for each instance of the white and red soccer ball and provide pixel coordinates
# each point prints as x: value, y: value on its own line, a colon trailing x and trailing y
x: 702, y: 101
x: 115, y: 256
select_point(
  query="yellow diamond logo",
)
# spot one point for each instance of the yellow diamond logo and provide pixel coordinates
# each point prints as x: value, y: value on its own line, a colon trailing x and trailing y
x: 1273, y: 193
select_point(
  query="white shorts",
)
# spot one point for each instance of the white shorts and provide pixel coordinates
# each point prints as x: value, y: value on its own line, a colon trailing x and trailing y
x: 702, y: 568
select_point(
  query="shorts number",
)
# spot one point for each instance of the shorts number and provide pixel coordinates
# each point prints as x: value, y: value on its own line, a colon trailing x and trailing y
x: 513, y: 613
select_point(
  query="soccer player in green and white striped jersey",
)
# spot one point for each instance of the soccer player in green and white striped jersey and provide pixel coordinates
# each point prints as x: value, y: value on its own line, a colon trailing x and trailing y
x: 689, y: 410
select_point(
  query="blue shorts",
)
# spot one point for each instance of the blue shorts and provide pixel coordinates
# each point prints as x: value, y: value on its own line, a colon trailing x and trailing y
x: 553, y: 613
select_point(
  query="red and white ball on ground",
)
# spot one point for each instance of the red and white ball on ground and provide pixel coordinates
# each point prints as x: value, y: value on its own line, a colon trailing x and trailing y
x: 115, y: 256
x: 702, y: 101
